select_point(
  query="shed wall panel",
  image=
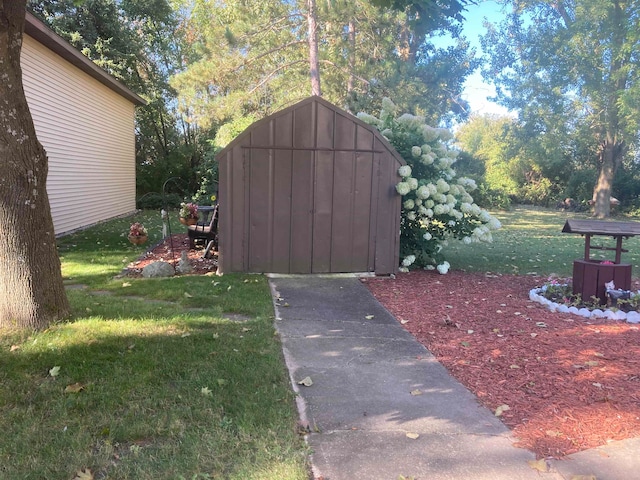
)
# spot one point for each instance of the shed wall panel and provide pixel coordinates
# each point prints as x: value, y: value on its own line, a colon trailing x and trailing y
x: 283, y: 130
x: 260, y: 220
x: 325, y: 126
x: 364, y: 208
x: 323, y: 211
x: 343, y: 212
x: 302, y: 211
x: 88, y: 133
x: 345, y: 133
x: 304, y: 127
x: 281, y: 245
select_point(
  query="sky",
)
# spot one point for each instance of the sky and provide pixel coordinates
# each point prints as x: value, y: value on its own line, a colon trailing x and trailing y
x: 476, y: 90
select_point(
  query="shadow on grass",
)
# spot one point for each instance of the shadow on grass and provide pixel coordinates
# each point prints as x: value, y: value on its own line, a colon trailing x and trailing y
x: 159, y: 397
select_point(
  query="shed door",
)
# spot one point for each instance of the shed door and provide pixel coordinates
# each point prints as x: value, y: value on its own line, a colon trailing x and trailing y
x: 311, y: 211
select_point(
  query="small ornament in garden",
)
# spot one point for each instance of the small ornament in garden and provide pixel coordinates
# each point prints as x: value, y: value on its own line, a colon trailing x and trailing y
x: 188, y: 213
x: 137, y: 234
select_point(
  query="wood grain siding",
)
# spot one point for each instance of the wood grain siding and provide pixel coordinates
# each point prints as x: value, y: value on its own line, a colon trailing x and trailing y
x: 310, y: 189
x: 88, y: 132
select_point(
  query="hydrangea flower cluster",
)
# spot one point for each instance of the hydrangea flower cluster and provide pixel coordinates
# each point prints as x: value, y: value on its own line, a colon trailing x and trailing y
x: 436, y: 205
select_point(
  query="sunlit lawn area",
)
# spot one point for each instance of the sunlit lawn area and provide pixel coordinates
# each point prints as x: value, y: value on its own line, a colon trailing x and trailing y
x: 154, y: 382
x: 530, y: 241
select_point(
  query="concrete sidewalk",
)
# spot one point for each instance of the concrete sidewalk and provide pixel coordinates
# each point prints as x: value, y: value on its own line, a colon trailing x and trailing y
x: 374, y: 387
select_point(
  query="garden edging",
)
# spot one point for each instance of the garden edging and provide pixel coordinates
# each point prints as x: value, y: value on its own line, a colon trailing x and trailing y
x: 629, y: 317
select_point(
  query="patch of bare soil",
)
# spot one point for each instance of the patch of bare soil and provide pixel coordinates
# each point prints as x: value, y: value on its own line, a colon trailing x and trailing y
x: 170, y: 250
x: 570, y: 383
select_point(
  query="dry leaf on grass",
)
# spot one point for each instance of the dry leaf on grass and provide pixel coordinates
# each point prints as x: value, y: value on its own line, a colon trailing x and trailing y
x: 413, y: 436
x: 84, y: 474
x: 74, y: 388
x: 55, y: 371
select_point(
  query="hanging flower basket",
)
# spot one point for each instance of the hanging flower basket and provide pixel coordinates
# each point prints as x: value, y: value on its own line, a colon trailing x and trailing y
x: 188, y: 221
x: 137, y: 234
x: 137, y: 239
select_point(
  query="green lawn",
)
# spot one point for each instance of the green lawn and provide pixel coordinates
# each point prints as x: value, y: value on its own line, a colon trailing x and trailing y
x: 530, y: 241
x: 154, y: 380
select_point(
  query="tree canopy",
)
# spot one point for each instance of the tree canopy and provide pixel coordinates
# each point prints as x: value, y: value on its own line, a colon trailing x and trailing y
x: 571, y: 70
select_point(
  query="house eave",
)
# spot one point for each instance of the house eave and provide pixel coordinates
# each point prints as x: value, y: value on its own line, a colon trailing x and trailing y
x: 40, y: 32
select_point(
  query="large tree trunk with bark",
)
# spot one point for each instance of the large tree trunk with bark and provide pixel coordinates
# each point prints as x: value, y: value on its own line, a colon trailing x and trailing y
x: 314, y: 63
x: 31, y: 290
x: 610, y: 158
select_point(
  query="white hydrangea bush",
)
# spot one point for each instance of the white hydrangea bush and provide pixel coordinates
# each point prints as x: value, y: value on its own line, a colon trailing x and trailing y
x: 436, y: 206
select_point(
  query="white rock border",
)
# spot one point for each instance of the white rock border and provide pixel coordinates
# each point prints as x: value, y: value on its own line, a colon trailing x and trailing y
x: 630, y: 317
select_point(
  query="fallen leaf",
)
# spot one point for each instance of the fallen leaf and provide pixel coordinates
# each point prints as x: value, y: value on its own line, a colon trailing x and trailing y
x: 54, y: 371
x: 540, y: 465
x: 534, y: 335
x: 74, y: 388
x: 368, y: 317
x: 501, y: 409
x: 553, y: 433
x: 246, y: 329
x: 541, y: 324
x: 413, y: 436
x: 469, y: 331
x: 206, y: 392
x: 126, y: 284
x: 184, y: 335
x: 584, y: 477
x: 592, y: 363
x: 597, y: 385
x: 188, y: 295
x: 514, y: 366
x: 84, y: 474
x: 216, y: 335
x: 222, y: 382
x: 598, y: 354
x: 286, y: 305
x: 307, y: 382
x: 14, y: 348
x: 416, y: 392
x: 464, y: 344
x: 404, y: 322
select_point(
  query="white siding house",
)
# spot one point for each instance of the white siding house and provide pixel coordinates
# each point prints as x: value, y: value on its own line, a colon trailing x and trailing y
x: 84, y: 118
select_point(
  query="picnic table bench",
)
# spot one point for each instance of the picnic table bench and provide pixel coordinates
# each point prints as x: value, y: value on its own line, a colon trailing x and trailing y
x: 591, y: 275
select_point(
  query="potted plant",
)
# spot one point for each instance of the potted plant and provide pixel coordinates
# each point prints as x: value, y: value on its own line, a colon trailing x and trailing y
x: 188, y: 213
x: 137, y: 234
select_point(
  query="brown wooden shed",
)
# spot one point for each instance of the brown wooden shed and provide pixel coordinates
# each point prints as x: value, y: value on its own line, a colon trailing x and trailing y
x: 309, y: 189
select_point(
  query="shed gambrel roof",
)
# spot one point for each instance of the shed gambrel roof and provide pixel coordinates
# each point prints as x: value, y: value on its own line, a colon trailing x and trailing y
x: 324, y: 134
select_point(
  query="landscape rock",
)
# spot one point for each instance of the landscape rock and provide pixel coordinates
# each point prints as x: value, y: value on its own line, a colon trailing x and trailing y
x: 158, y: 269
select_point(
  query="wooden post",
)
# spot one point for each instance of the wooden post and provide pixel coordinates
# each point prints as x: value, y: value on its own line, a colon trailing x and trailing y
x: 587, y: 246
x: 618, y: 249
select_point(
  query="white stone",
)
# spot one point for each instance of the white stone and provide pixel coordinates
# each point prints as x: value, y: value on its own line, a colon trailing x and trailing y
x: 597, y: 313
x: 584, y: 312
x: 573, y: 310
x: 563, y: 309
x: 633, y: 317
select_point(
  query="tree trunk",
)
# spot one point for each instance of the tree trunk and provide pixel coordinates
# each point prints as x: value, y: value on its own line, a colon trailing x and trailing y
x: 314, y: 65
x: 352, y: 56
x: 31, y: 290
x: 609, y: 159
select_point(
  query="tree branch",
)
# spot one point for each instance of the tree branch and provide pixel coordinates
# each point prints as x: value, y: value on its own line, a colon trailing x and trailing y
x: 268, y: 77
x: 344, y: 70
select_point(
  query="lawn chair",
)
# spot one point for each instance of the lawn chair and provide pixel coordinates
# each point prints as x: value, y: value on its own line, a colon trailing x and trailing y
x: 205, y: 232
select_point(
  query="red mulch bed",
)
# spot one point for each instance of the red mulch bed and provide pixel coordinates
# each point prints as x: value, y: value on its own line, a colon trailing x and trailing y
x: 170, y: 250
x: 571, y: 383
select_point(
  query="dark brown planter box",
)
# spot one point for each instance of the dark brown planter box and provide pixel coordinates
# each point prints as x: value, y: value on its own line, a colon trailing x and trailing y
x: 589, y: 277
